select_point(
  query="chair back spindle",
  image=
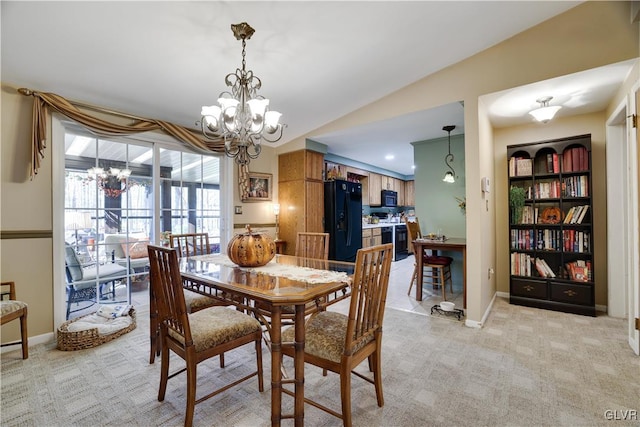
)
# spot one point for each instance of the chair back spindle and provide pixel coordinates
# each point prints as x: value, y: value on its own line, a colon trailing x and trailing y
x: 312, y: 245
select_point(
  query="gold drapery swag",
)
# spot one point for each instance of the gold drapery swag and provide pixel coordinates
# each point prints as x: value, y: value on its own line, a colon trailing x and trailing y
x: 43, y: 101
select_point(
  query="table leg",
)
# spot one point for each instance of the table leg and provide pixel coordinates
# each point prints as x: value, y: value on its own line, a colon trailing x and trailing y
x: 299, y: 366
x: 276, y: 362
x: 418, y: 251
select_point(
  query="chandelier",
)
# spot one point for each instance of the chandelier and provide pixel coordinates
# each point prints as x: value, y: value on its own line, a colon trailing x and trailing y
x: 113, y: 181
x: 450, y: 176
x: 242, y: 117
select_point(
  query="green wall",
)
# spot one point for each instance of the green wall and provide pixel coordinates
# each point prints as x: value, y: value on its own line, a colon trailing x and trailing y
x: 436, y: 204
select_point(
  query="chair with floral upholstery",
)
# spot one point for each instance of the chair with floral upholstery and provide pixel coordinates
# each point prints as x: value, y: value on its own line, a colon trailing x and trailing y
x: 338, y: 342
x: 12, y: 309
x: 196, y: 337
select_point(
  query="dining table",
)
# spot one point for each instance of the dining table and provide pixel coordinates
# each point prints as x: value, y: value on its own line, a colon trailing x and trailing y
x: 284, y: 282
x: 458, y: 244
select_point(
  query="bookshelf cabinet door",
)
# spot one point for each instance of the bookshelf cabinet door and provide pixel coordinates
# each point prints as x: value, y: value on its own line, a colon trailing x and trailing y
x: 529, y: 288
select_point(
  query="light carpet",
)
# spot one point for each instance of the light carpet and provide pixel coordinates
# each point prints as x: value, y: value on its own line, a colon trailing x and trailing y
x: 526, y: 367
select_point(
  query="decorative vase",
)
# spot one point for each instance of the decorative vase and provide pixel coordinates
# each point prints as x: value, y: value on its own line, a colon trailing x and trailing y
x: 251, y: 249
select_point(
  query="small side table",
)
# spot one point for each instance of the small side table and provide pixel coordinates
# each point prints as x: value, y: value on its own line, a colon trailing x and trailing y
x: 280, y: 245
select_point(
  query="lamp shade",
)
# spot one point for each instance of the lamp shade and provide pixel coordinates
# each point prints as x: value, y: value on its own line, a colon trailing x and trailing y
x: 448, y: 177
x: 544, y: 114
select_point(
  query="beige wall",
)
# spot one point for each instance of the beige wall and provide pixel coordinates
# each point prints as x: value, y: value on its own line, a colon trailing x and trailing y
x: 25, y: 209
x: 588, y: 36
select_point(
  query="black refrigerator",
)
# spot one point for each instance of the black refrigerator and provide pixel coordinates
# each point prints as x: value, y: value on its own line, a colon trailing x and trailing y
x: 343, y: 218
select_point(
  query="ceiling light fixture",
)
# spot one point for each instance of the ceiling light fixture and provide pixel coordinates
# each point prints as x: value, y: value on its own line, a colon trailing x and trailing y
x: 544, y: 113
x: 113, y: 182
x: 450, y: 176
x: 242, y: 117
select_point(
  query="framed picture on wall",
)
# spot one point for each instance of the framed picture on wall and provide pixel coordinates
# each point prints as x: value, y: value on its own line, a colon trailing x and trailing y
x: 259, y: 187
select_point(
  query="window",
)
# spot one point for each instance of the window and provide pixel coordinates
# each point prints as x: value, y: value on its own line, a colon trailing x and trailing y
x: 109, y: 219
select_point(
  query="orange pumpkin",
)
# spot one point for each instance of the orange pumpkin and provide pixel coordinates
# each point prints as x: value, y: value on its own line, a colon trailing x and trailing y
x: 251, y: 249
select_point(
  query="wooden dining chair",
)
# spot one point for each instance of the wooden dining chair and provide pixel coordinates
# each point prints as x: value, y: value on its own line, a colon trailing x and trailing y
x: 198, y: 336
x: 12, y: 309
x: 308, y: 245
x: 312, y: 245
x: 338, y: 342
x: 190, y: 244
x: 436, y: 270
x: 186, y: 245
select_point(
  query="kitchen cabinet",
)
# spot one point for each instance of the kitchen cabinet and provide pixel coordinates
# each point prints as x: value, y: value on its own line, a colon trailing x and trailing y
x: 409, y: 193
x: 375, y: 189
x: 300, y: 194
x: 398, y: 186
x: 387, y: 182
x: 371, y: 237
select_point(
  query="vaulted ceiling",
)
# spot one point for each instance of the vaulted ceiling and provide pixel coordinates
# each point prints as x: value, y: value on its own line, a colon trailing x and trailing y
x: 317, y: 60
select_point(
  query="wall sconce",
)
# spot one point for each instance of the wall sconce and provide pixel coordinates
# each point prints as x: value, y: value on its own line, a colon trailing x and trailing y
x: 450, y: 176
x: 544, y: 113
x: 276, y: 211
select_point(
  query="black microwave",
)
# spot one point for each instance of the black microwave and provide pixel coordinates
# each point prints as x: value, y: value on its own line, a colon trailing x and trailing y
x: 389, y: 198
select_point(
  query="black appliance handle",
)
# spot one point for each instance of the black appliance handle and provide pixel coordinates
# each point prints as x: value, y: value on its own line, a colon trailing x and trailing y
x: 346, y: 204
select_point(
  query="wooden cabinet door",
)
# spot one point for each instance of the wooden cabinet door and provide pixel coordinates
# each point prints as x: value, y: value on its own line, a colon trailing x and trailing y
x: 314, y: 164
x: 314, y: 209
x: 291, y: 166
x: 399, y: 187
x: 375, y: 188
x: 386, y: 182
x: 409, y: 193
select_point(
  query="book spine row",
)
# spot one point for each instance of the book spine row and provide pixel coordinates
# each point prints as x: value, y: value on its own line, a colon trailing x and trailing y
x: 575, y: 186
x: 549, y: 240
x: 575, y: 159
x: 577, y: 241
x: 522, y: 240
x: 520, y: 264
x: 547, y: 190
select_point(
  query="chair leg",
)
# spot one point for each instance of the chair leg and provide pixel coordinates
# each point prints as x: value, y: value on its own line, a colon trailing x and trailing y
x: 377, y: 376
x: 164, y: 370
x: 191, y: 387
x: 414, y: 277
x: 345, y: 394
x: 443, y: 284
x: 23, y: 333
x: 154, y: 349
x: 259, y: 364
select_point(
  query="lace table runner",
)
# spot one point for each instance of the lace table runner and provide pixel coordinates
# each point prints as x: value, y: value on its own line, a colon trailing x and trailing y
x: 272, y: 268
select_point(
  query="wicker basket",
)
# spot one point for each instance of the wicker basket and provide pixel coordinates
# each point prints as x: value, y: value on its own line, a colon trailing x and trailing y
x: 69, y: 341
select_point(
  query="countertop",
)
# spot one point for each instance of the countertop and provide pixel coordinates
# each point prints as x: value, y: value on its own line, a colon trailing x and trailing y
x: 381, y: 224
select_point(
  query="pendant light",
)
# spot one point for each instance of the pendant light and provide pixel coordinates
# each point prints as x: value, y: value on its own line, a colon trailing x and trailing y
x: 450, y: 176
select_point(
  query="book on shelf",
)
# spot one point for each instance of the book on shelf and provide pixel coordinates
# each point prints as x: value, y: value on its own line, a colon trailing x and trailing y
x: 520, y: 166
x: 575, y: 159
x: 576, y: 214
x: 579, y: 271
x: 543, y: 268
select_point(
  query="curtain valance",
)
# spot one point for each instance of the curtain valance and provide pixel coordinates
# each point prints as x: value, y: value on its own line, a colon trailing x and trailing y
x: 42, y: 102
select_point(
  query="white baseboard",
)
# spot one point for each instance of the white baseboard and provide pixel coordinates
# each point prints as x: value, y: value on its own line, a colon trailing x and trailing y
x: 38, y: 339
